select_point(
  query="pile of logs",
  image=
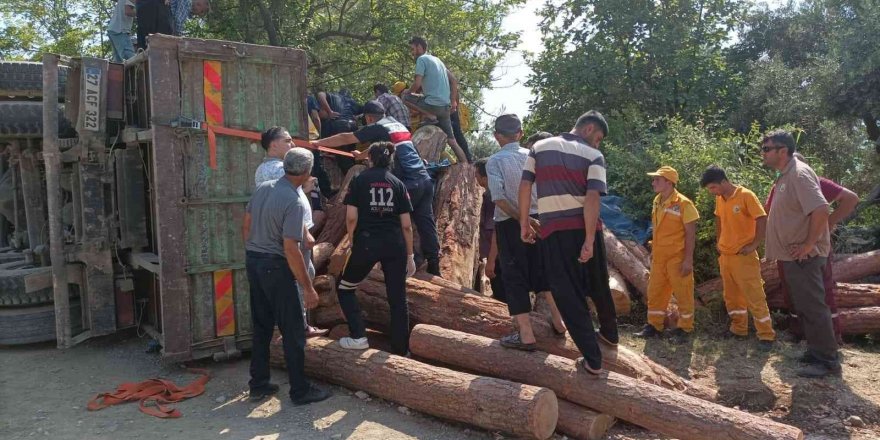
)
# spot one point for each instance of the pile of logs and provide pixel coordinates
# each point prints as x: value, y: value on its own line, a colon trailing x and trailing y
x: 460, y: 373
x: 858, y: 304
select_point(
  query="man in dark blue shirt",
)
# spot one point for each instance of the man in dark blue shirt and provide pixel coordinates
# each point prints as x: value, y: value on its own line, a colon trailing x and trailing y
x: 408, y: 167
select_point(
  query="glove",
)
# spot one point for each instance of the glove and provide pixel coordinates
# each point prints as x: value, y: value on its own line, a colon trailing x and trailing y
x: 410, y: 265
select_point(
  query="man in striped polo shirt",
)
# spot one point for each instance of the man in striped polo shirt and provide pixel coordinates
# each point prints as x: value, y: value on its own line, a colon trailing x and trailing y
x: 569, y: 172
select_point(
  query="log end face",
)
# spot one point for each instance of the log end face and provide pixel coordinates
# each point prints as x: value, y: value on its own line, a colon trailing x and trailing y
x: 545, y: 414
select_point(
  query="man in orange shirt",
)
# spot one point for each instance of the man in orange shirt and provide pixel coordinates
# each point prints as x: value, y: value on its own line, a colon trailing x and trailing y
x: 672, y: 256
x: 740, y: 225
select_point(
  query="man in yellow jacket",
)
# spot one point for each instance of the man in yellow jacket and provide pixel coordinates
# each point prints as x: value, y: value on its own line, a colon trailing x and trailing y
x: 740, y: 225
x: 674, y: 219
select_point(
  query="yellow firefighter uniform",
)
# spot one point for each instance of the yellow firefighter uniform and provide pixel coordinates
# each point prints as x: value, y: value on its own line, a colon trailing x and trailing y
x: 741, y: 274
x: 667, y: 250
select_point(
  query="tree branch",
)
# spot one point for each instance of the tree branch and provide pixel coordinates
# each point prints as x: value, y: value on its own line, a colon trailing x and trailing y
x: 349, y: 35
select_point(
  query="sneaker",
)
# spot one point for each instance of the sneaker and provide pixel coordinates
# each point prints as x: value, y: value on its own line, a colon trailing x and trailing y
x: 354, y: 344
x: 819, y: 370
x: 648, y: 332
x: 513, y: 340
x: 312, y: 332
x: 592, y: 370
x: 766, y: 346
x: 315, y: 394
x: 262, y: 393
x: 679, y: 336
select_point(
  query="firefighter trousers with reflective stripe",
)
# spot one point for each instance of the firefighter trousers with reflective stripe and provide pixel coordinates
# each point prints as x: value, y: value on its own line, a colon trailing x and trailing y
x: 744, y: 294
x: 665, y: 281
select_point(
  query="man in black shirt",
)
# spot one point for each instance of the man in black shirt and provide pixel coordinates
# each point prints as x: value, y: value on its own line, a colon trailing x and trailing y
x: 378, y: 222
x: 407, y: 166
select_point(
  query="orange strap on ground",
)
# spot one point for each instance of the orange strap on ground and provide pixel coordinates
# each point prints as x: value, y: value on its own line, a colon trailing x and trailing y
x: 152, y: 395
x: 214, y: 130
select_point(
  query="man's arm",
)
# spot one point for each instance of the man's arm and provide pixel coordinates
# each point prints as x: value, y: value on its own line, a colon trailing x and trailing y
x: 846, y: 204
x: 406, y: 227
x: 316, y: 119
x: 325, y: 112
x: 591, y: 217
x: 818, y: 225
x: 527, y: 233
x: 351, y: 220
x: 453, y: 91
x: 297, y: 265
x: 337, y: 140
x: 246, y: 227
x: 416, y: 86
x: 760, y: 233
x: 493, y: 256
x: 690, y: 240
x: 717, y: 233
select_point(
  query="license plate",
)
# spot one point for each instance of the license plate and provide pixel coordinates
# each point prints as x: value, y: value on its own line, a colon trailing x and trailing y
x: 92, y: 101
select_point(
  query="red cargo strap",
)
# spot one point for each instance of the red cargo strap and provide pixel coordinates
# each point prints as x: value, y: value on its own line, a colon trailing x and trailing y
x: 152, y: 395
x: 214, y: 130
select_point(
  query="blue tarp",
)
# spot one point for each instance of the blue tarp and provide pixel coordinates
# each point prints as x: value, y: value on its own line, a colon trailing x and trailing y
x: 620, y: 224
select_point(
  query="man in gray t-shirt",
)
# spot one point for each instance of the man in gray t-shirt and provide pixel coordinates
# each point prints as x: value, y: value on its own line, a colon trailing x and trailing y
x: 272, y: 231
x: 119, y: 30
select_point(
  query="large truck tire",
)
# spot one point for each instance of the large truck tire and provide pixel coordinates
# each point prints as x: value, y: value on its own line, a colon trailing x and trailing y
x: 24, y: 79
x: 27, y: 325
x: 8, y: 256
x: 24, y: 119
x: 12, y: 289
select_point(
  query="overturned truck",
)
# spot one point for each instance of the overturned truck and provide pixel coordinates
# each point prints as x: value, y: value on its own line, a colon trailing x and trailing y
x: 125, y: 210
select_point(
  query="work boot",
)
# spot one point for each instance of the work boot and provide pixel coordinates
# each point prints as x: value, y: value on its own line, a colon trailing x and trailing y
x: 514, y: 340
x: 819, y: 370
x: 261, y: 393
x: 679, y: 336
x: 433, y: 267
x: 314, y: 394
x: 648, y: 332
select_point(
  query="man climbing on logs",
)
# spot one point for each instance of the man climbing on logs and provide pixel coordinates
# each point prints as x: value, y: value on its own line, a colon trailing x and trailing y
x: 276, y: 141
x: 672, y: 250
x: 407, y: 166
x: 569, y: 172
x: 488, y: 243
x: 797, y: 235
x: 740, y: 225
x: 379, y: 225
x: 434, y: 91
x: 520, y: 261
x: 273, y: 230
x: 846, y: 201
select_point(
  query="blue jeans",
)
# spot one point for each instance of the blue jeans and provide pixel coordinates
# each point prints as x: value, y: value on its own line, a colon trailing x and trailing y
x: 120, y: 42
x: 421, y: 196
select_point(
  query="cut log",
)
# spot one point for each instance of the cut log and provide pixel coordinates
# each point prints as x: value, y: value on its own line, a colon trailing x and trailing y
x: 581, y: 423
x: 334, y: 227
x: 710, y: 290
x: 639, y: 251
x: 457, y: 310
x: 619, y: 291
x: 321, y: 256
x: 865, y: 320
x: 492, y: 404
x: 856, y: 267
x: 626, y: 262
x: 430, y: 142
x: 846, y: 296
x: 339, y: 257
x: 325, y: 285
x: 674, y: 414
x: 457, y: 211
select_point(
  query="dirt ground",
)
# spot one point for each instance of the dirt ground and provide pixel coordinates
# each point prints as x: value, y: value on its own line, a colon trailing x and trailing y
x: 43, y: 394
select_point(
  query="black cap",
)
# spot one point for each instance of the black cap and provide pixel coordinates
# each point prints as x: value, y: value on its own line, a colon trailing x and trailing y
x: 374, y: 108
x: 508, y: 124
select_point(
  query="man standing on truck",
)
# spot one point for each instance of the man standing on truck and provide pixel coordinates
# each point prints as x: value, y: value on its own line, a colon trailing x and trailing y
x: 153, y: 17
x: 183, y: 10
x: 119, y: 30
x: 273, y: 231
x: 277, y: 142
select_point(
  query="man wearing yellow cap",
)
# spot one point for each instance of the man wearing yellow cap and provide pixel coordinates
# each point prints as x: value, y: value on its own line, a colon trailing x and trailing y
x: 674, y: 219
x: 740, y: 226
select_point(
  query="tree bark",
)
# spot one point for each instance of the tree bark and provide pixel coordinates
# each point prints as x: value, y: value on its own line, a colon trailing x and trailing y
x: 457, y: 203
x: 860, y: 321
x: 334, y: 227
x: 321, y: 255
x: 856, y: 267
x: 639, y: 251
x: 457, y: 310
x: 627, y: 263
x: 493, y: 404
x: 430, y: 142
x: 339, y: 257
x: 674, y: 414
x: 709, y: 290
x: 846, y: 296
x: 581, y: 423
x: 619, y: 291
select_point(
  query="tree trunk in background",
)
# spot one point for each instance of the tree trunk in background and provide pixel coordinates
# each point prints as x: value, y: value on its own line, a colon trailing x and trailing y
x: 457, y: 202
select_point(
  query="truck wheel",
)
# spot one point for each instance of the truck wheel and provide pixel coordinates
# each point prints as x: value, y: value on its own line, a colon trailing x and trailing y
x: 25, y: 119
x: 12, y: 289
x: 24, y: 79
x: 27, y: 325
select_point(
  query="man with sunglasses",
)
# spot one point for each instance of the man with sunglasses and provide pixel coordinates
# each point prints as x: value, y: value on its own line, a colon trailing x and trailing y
x: 797, y: 235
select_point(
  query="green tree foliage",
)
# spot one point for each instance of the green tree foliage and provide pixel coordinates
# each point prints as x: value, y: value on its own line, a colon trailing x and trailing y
x: 68, y: 27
